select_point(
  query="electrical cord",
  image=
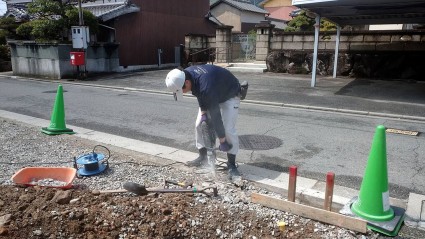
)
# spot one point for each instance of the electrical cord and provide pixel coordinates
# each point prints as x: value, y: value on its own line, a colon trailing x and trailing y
x: 116, y: 163
x: 219, y: 162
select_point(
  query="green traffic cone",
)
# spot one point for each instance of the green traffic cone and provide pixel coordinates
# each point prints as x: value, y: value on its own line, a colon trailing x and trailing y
x: 57, y: 120
x: 373, y: 202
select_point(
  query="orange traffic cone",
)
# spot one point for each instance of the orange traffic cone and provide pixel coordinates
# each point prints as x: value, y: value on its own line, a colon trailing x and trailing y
x: 57, y: 120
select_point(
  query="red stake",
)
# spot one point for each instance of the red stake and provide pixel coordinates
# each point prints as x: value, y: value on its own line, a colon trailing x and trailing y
x: 292, y: 183
x: 330, y: 180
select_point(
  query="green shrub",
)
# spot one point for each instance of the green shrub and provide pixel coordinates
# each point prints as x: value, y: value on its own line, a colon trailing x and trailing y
x: 304, y: 23
x: 4, y: 52
x: 46, y: 30
x: 90, y: 20
x: 8, y: 27
x: 24, y: 31
x: 55, y: 18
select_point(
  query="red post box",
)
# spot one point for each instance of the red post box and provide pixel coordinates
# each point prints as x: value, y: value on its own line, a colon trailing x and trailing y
x: 77, y: 58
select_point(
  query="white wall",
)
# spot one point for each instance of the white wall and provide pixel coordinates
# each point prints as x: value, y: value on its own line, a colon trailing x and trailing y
x: 386, y: 27
x: 17, y: 1
x: 228, y: 15
x: 252, y: 17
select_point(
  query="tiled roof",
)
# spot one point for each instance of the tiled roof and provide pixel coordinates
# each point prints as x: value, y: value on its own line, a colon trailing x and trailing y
x: 281, y: 12
x: 241, y: 5
x: 103, y: 11
x: 213, y: 19
x: 98, y: 10
x: 107, y: 11
x: 19, y: 12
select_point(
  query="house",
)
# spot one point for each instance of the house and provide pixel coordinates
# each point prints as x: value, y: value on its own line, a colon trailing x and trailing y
x: 148, y: 31
x: 151, y: 35
x: 280, y: 11
x: 241, y: 14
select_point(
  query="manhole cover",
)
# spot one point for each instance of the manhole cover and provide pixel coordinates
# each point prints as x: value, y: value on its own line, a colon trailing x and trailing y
x: 258, y: 142
x: 53, y: 91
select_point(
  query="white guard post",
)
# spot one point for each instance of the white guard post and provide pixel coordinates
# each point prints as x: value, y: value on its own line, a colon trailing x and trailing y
x: 316, y: 46
x: 338, y: 33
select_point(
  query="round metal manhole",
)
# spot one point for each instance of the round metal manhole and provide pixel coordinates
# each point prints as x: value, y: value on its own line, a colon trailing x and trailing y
x: 54, y: 91
x: 258, y: 142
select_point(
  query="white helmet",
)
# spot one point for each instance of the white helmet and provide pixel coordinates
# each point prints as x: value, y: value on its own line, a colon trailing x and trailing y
x: 175, y: 81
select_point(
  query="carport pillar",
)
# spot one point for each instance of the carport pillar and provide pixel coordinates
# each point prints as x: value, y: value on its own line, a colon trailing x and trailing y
x: 338, y: 33
x: 316, y: 46
x: 262, y: 45
x: 223, y: 44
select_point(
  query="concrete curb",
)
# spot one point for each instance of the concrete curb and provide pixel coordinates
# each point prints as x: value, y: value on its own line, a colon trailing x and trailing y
x: 309, y: 192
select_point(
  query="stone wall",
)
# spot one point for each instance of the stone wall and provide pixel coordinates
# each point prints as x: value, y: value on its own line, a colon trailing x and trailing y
x: 53, y: 61
x: 198, y: 48
x: 374, y: 54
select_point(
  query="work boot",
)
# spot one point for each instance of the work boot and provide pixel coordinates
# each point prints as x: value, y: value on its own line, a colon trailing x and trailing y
x: 244, y: 90
x: 231, y: 166
x: 200, y: 160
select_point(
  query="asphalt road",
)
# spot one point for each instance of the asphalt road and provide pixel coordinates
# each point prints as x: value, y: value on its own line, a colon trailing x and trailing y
x: 273, y: 137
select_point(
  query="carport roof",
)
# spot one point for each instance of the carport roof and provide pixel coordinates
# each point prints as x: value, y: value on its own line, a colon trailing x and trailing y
x: 366, y: 12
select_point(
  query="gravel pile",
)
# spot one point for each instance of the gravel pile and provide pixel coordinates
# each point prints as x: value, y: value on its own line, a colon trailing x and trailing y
x: 23, y: 145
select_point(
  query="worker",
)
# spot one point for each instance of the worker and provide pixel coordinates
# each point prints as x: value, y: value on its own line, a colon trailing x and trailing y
x: 218, y: 93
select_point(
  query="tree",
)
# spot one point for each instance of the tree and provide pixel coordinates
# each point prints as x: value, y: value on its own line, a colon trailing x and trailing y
x: 8, y: 27
x: 7, y: 30
x: 53, y: 19
x: 304, y: 23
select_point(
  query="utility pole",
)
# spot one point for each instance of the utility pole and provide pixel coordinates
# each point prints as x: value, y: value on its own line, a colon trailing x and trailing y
x: 80, y: 14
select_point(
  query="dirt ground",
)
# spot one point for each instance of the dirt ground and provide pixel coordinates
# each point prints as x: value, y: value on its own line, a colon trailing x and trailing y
x: 54, y: 213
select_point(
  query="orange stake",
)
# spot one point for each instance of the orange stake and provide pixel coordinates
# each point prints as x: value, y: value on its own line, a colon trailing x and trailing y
x: 292, y: 183
x: 330, y: 180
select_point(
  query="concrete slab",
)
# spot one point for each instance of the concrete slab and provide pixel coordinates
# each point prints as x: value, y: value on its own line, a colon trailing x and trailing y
x: 415, y: 213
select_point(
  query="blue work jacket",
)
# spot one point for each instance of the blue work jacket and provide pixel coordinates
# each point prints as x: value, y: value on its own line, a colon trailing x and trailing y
x: 212, y: 85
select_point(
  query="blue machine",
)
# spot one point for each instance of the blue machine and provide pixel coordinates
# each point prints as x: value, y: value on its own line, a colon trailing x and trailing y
x: 93, y: 163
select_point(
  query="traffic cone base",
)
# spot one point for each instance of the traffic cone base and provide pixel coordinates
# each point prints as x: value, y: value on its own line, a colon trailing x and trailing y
x: 389, y: 228
x: 57, y: 120
x: 49, y: 131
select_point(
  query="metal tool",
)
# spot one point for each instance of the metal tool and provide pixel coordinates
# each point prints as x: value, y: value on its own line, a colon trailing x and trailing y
x: 98, y: 192
x: 181, y: 184
x: 208, y: 135
x: 142, y: 190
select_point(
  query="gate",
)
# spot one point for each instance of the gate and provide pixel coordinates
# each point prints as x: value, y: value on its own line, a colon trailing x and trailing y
x: 243, y: 47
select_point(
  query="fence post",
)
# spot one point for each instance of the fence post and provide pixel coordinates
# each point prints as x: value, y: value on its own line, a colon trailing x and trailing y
x: 223, y: 41
x: 264, y: 33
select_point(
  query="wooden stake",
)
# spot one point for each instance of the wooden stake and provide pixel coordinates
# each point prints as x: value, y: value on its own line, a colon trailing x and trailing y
x: 292, y: 183
x: 330, y: 180
x: 318, y: 214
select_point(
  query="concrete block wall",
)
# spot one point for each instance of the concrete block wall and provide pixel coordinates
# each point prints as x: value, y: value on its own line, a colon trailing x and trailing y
x: 361, y: 41
x: 199, y: 47
x: 53, y: 60
x: 223, y: 44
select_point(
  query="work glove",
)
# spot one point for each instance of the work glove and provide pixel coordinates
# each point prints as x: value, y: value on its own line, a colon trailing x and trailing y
x: 225, y: 146
x: 204, y: 118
